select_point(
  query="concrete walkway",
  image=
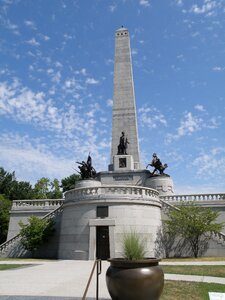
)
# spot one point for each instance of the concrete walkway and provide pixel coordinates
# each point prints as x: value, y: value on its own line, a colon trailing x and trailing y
x: 66, y: 279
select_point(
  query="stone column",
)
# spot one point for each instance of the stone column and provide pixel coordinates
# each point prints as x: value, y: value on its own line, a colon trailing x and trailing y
x: 124, y: 110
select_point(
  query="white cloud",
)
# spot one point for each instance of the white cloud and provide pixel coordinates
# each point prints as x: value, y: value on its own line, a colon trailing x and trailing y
x: 75, y: 123
x: 109, y: 102
x: 33, y: 42
x: 199, y: 107
x: 44, y: 37
x: 31, y: 159
x: 91, y: 81
x: 67, y: 36
x: 211, y: 164
x: 56, y: 77
x: 112, y: 8
x: 151, y: 117
x: 189, y: 125
x: 30, y: 24
x: 82, y: 71
x: 144, y: 3
x: 218, y: 69
x: 207, y: 7
x: 109, y: 61
x: 134, y: 51
x: 10, y: 26
x: 179, y: 2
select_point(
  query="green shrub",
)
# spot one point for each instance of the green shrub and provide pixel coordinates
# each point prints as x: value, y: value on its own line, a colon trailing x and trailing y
x: 36, y: 232
x: 133, y: 246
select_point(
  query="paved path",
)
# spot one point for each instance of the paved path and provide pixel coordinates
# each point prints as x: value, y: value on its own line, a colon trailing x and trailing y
x: 66, y: 279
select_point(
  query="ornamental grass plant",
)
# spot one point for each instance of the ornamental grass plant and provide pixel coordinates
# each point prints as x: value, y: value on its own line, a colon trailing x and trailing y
x: 133, y: 246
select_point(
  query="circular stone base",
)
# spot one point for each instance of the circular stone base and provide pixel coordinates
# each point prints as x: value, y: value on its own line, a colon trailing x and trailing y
x: 162, y: 183
x: 87, y: 183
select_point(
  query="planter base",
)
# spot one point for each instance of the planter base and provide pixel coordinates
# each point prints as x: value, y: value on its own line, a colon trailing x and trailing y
x: 138, y: 280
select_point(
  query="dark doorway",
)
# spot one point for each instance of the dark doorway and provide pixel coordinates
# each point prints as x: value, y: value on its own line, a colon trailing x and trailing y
x: 102, y: 242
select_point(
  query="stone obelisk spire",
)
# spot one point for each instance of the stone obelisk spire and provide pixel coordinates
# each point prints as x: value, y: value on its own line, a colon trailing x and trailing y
x: 124, y: 110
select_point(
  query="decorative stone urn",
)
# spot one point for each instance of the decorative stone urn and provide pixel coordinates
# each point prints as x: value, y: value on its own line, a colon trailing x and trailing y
x: 134, y: 279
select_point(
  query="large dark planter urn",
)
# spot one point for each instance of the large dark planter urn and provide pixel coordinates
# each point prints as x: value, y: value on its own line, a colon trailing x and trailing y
x: 134, y: 280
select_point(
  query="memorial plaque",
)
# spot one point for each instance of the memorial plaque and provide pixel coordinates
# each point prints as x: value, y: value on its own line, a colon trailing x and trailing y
x: 122, y: 162
x: 123, y: 178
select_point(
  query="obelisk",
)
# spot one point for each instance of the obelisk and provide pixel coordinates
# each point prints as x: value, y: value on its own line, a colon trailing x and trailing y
x: 124, y: 109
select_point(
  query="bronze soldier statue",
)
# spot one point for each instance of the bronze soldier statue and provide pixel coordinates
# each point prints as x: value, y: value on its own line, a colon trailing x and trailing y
x: 86, y: 168
x: 158, y: 166
x: 122, y: 147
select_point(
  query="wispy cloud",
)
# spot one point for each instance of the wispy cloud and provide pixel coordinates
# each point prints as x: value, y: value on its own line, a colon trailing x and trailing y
x: 10, y: 26
x: 33, y: 42
x: 151, y: 117
x: 218, y: 69
x: 191, y: 123
x: 207, y: 7
x: 109, y: 102
x: 112, y: 8
x: 179, y: 2
x: 30, y: 24
x: 92, y: 81
x: 145, y: 3
x: 200, y: 107
x: 211, y: 163
x: 26, y: 155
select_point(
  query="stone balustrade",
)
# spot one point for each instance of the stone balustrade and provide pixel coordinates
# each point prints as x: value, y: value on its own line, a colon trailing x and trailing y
x: 37, y: 204
x: 220, y: 237
x: 194, y: 197
x: 117, y: 191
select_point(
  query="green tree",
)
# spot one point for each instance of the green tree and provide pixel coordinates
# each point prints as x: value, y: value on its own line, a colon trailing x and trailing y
x: 195, y: 224
x: 13, y: 189
x: 21, y: 190
x: 6, y: 182
x: 41, y: 188
x: 55, y: 192
x: 5, y: 206
x: 69, y: 182
x: 35, y: 233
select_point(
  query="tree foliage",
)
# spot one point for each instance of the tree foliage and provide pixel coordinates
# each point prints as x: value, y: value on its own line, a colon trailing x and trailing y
x: 6, y: 182
x: 5, y: 206
x: 69, y: 182
x: 45, y: 189
x: 195, y: 224
x: 55, y: 192
x: 41, y: 188
x: 13, y: 189
x: 36, y: 232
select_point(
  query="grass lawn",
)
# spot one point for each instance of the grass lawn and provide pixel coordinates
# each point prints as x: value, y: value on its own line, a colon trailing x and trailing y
x: 25, y: 259
x: 217, y: 271
x: 187, y: 259
x: 11, y: 266
x: 179, y: 290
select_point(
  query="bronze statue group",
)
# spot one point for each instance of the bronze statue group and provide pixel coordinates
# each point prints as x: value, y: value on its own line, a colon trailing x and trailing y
x: 86, y: 169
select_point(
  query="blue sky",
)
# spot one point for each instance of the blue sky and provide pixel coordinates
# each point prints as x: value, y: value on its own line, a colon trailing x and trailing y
x: 56, y: 86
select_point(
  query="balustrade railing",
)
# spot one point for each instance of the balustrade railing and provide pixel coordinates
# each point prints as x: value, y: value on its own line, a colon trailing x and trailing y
x: 194, y: 197
x: 40, y: 203
x: 112, y: 190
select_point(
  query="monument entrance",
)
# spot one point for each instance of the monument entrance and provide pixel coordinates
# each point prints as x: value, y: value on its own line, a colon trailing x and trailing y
x: 102, y: 242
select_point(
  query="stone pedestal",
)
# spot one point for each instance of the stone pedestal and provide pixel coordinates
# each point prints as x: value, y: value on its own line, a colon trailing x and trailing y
x: 123, y: 163
x: 162, y: 183
x: 87, y: 183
